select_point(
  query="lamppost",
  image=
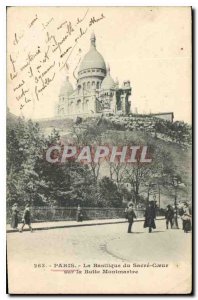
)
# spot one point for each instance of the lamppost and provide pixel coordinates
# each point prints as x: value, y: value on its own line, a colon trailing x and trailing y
x: 150, y: 187
x: 156, y: 186
x: 159, y: 193
x: 176, y: 183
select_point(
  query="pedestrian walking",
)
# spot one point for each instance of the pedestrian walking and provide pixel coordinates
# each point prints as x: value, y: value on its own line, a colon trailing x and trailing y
x: 150, y: 215
x: 79, y: 215
x: 186, y: 218
x: 27, y: 218
x: 14, y: 216
x: 130, y: 215
x: 169, y: 215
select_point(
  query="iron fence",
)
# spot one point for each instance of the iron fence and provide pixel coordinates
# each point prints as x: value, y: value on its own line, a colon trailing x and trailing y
x: 49, y: 214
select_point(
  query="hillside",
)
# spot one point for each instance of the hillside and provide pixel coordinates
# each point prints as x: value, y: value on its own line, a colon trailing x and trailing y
x: 174, y: 138
x: 162, y: 136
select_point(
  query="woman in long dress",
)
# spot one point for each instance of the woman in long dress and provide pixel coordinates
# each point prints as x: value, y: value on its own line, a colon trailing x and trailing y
x: 26, y: 218
x: 186, y: 217
x: 14, y: 217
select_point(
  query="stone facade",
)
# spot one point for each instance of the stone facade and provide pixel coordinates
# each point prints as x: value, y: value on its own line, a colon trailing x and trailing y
x: 96, y: 92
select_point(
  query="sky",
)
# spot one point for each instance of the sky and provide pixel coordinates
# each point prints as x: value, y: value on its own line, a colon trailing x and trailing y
x: 150, y: 46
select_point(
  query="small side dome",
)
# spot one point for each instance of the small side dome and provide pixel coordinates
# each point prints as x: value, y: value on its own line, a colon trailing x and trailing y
x: 117, y: 82
x: 126, y: 84
x: 108, y: 82
x: 67, y: 88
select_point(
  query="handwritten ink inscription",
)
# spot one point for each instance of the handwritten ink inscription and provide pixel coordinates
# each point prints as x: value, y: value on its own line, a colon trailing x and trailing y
x: 33, y: 71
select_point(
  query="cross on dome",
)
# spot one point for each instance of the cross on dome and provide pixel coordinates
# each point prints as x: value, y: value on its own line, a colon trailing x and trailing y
x: 93, y: 39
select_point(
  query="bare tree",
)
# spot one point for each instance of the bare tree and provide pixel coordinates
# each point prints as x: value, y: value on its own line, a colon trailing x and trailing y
x: 117, y: 170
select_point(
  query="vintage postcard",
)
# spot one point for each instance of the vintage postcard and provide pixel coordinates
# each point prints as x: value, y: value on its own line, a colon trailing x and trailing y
x: 99, y: 150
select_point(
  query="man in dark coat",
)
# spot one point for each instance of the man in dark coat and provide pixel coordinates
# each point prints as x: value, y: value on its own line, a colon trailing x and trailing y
x: 150, y: 215
x: 130, y: 215
x: 169, y: 215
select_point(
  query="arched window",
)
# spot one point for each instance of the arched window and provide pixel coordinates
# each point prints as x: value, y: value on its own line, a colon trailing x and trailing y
x: 88, y: 85
x: 79, y: 87
x: 98, y: 85
x: 79, y: 105
x: 93, y: 84
x: 71, y: 106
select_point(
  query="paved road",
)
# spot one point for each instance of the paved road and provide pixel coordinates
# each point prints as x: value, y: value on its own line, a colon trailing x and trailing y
x: 66, y: 224
x: 105, y: 243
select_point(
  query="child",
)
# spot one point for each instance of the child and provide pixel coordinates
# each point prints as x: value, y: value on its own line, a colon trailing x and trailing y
x: 79, y: 215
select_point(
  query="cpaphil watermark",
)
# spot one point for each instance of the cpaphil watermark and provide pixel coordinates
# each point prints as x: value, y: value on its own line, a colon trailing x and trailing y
x: 94, y: 154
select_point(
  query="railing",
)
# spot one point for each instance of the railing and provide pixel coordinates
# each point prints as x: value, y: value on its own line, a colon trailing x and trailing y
x: 48, y: 214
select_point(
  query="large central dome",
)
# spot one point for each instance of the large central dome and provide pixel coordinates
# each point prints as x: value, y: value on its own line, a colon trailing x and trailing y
x: 93, y: 59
